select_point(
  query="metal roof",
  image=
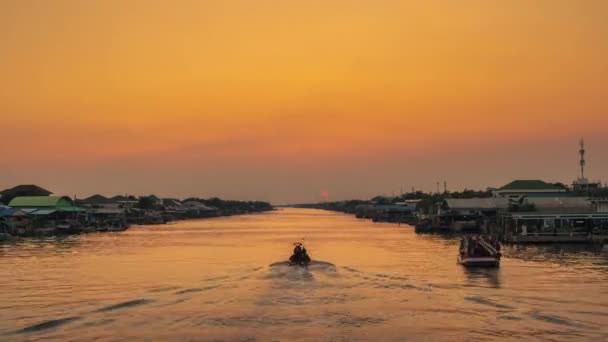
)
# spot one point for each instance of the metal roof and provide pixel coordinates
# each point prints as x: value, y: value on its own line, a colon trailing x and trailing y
x: 70, y: 209
x: 571, y: 202
x: 477, y: 203
x: 561, y: 204
x: 533, y: 184
x: 96, y: 199
x: 26, y: 189
x: 43, y: 212
x: 41, y: 201
x: 109, y: 211
x: 6, y: 211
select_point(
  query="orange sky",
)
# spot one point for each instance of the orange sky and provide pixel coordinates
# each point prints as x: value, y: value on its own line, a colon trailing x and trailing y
x: 279, y: 100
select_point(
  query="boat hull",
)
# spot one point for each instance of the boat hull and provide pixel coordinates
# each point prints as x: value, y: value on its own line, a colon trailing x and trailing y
x: 479, y: 261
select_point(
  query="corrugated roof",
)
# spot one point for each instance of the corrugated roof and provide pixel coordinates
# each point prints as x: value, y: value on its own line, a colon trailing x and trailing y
x: 477, y: 203
x: 110, y: 211
x: 71, y: 209
x: 43, y: 212
x: 26, y: 188
x: 6, y: 211
x: 560, y: 202
x: 530, y: 185
x: 120, y: 198
x: 96, y: 199
x: 41, y: 201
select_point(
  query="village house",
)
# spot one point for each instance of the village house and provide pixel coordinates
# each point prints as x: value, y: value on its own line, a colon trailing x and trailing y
x: 530, y: 188
x: 46, y: 211
x: 556, y: 219
x: 7, y: 195
x: 199, y: 209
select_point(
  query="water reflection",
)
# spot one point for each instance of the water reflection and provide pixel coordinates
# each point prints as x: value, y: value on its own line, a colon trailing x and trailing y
x: 482, y: 276
x: 215, y: 279
x: 565, y: 254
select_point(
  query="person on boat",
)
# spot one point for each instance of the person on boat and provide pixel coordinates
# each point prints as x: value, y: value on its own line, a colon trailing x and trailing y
x: 300, y: 255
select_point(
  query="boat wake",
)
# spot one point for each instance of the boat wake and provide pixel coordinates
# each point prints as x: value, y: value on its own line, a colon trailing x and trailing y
x: 284, y: 270
x: 313, y: 266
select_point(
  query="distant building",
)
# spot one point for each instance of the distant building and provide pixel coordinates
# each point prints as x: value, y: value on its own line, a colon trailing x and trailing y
x: 155, y: 199
x: 95, y: 201
x: 22, y: 190
x: 476, y: 207
x: 199, y: 209
x: 125, y: 201
x: 530, y: 188
x: 59, y: 206
x: 171, y: 203
x: 600, y: 205
x: 39, y: 202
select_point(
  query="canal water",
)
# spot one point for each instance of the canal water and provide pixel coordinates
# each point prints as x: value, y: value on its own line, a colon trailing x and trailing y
x: 211, y: 280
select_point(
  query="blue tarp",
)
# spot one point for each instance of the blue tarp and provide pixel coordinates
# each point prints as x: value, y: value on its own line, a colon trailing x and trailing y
x: 8, y: 211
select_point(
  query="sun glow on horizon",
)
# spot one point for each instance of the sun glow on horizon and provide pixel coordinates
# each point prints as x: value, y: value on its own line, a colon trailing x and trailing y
x: 236, y: 97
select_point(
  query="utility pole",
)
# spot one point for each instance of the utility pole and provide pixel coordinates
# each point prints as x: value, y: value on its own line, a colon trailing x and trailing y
x: 582, y: 162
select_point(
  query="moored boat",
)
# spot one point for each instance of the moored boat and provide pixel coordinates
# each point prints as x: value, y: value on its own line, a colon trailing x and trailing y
x: 477, y: 251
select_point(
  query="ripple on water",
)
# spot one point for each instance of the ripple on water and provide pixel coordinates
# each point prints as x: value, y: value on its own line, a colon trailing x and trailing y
x: 553, y: 319
x: 197, y: 289
x: 488, y: 302
x: 51, y: 324
x: 126, y: 305
x: 164, y: 289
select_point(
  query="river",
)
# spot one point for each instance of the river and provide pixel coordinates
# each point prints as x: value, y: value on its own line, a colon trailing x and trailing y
x: 211, y: 280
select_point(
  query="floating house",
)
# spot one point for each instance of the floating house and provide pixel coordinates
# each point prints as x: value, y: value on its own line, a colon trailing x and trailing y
x: 474, y: 207
x: 468, y: 214
x: 55, y: 206
x: 96, y: 201
x: 22, y: 190
x: 556, y: 219
x: 600, y: 205
x: 199, y: 209
x: 530, y: 188
x: 126, y: 202
x: 399, y: 212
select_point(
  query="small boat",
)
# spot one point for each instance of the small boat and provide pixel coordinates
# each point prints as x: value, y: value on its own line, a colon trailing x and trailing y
x: 300, y: 256
x: 68, y: 227
x: 477, y: 251
x: 6, y: 237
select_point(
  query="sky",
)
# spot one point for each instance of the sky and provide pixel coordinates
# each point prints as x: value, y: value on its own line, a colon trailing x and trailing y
x: 299, y: 101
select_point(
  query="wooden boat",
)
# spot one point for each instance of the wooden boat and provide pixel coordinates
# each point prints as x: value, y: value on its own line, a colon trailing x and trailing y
x: 477, y: 251
x: 300, y: 256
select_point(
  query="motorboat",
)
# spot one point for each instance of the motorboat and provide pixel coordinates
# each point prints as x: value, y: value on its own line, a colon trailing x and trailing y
x: 300, y: 256
x: 68, y: 227
x: 479, y: 251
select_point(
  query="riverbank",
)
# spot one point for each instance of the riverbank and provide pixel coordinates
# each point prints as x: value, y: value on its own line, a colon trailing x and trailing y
x: 75, y: 227
x: 29, y: 210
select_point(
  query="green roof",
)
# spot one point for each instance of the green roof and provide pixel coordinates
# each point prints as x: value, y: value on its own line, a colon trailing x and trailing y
x: 41, y: 202
x: 71, y: 209
x: 531, y: 185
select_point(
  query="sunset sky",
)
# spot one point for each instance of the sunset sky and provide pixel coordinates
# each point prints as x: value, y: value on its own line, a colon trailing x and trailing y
x: 298, y: 101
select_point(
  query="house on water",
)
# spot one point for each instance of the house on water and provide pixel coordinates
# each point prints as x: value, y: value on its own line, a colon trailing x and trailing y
x: 556, y: 219
x: 46, y: 210
x: 468, y: 214
x: 518, y: 189
x: 7, y: 195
